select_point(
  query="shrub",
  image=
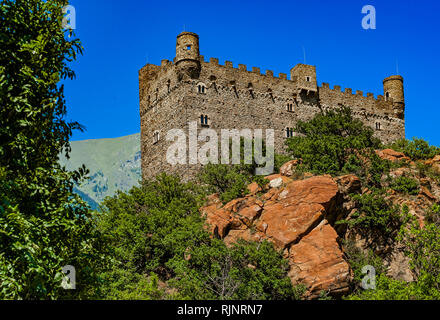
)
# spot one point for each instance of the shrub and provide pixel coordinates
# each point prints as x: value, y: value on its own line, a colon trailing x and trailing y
x: 427, y: 171
x: 230, y: 181
x: 405, y: 185
x: 358, y: 259
x: 374, y: 214
x: 248, y: 270
x: 433, y: 215
x: 423, y: 248
x: 327, y: 142
x: 416, y: 149
x: 386, y: 289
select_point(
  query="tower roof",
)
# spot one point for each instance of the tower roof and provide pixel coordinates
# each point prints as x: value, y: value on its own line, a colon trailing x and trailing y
x: 395, y: 77
x: 188, y: 33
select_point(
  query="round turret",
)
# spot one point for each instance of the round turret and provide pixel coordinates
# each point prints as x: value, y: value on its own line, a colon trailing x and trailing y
x: 393, y: 91
x: 187, y: 55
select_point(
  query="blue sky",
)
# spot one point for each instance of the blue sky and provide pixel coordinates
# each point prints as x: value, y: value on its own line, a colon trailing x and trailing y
x: 119, y: 38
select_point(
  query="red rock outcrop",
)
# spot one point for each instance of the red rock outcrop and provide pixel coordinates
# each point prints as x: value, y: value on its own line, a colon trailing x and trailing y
x: 288, y: 168
x: 392, y: 155
x: 292, y: 216
x: 318, y: 262
x: 299, y: 207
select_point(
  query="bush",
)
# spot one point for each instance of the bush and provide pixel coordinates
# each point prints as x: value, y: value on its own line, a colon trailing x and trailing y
x: 374, y: 214
x: 150, y: 225
x: 358, y: 259
x: 423, y: 248
x: 387, y: 289
x: 248, y: 270
x: 405, y: 185
x: 230, y: 181
x: 433, y: 215
x: 416, y: 149
x: 327, y: 142
x: 427, y: 171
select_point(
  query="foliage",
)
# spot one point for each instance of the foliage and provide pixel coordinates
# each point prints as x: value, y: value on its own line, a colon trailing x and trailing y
x: 326, y: 142
x: 416, y: 149
x: 386, y: 289
x: 358, y: 258
x: 424, y: 251
x: 230, y: 181
x: 433, y: 215
x: 158, y: 228
x: 405, y: 185
x: 426, y: 170
x: 151, y: 224
x: 374, y: 214
x: 248, y: 271
x: 126, y: 285
x: 43, y: 224
x: 423, y: 248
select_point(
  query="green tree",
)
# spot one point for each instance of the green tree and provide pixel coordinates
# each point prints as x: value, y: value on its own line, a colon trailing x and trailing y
x: 374, y: 216
x: 327, y: 142
x: 43, y: 224
x: 231, y: 181
x: 248, y: 270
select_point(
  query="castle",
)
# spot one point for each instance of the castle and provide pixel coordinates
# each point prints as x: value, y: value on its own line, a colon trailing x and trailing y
x: 224, y: 97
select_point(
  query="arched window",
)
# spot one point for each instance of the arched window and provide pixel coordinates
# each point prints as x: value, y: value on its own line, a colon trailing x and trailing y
x: 387, y: 96
x: 290, y: 107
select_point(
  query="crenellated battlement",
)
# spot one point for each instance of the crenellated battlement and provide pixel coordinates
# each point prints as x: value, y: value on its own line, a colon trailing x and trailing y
x: 350, y: 91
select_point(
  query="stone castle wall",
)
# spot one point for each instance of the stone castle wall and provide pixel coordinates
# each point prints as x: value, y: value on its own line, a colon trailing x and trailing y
x: 238, y: 98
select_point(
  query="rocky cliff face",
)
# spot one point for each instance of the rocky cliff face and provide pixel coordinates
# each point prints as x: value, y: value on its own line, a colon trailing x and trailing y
x: 299, y: 217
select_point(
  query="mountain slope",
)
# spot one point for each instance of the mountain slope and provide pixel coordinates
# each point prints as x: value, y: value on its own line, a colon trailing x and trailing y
x: 114, y: 164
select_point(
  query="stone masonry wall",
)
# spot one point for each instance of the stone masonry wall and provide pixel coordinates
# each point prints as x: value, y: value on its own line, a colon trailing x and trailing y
x: 236, y: 98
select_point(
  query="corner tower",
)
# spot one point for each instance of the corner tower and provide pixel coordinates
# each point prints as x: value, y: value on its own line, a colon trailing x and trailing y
x: 393, y: 91
x: 187, y: 56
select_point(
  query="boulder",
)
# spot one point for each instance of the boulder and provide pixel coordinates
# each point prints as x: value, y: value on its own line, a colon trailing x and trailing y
x: 318, y: 262
x: 217, y: 219
x: 349, y: 184
x: 434, y: 163
x: 253, y: 188
x: 276, y: 183
x: 392, y: 155
x: 300, y: 208
x: 278, y: 177
x: 246, y: 234
x: 288, y: 168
